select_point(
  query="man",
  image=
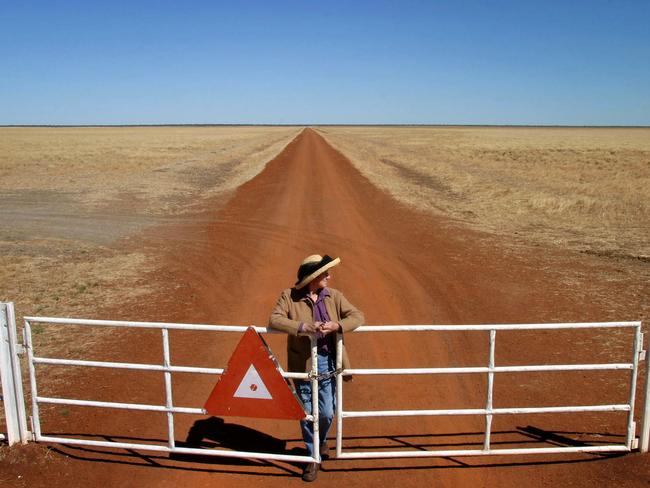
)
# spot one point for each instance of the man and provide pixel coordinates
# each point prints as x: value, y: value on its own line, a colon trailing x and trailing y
x: 312, y: 307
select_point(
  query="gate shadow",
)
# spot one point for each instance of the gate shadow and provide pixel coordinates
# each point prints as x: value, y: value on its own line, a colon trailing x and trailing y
x: 214, y: 433
x: 529, y: 436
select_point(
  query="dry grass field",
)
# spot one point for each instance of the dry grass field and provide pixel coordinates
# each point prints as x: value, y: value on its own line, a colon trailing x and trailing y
x: 582, y: 188
x: 72, y: 197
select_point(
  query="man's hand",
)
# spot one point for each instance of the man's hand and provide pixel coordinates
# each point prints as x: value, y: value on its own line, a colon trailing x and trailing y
x: 329, y: 327
x: 311, y: 328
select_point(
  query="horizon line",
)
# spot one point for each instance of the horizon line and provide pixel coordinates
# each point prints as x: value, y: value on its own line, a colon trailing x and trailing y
x: 604, y: 126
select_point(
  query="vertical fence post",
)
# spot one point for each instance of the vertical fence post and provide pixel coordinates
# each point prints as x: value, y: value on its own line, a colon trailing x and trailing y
x: 645, y: 427
x: 36, y: 417
x: 490, y: 388
x: 339, y: 395
x: 12, y: 386
x: 315, y: 382
x: 631, y: 425
x: 169, y: 404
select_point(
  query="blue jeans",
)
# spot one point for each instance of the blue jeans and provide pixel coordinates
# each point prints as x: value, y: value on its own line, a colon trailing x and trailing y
x: 326, y: 402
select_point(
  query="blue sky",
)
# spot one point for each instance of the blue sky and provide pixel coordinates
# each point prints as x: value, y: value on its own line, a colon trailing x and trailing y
x: 307, y: 62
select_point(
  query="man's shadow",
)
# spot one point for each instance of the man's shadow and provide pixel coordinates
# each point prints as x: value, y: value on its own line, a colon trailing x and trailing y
x: 214, y: 432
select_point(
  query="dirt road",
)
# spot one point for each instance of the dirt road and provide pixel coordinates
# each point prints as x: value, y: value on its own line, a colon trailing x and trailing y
x: 399, y: 267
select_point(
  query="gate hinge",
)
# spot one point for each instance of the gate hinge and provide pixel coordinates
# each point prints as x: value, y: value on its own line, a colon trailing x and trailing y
x: 20, y: 349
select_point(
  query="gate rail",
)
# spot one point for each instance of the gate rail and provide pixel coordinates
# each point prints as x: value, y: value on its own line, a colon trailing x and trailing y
x: 489, y: 411
x: 17, y: 430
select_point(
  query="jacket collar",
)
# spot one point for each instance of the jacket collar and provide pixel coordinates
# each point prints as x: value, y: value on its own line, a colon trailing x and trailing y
x: 303, y: 293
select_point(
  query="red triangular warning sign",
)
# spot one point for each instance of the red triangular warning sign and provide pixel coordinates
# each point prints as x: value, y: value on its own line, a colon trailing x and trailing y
x: 252, y: 385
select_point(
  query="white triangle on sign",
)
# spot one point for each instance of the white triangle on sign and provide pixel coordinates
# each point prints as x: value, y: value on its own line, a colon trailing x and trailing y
x: 252, y: 386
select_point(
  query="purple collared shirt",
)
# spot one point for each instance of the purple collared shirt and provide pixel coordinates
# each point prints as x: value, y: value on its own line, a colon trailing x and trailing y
x: 323, y: 342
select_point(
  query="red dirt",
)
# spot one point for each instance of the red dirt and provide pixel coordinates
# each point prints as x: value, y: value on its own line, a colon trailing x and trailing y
x: 399, y: 267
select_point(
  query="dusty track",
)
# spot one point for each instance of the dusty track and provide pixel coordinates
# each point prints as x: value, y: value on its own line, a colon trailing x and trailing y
x: 398, y: 266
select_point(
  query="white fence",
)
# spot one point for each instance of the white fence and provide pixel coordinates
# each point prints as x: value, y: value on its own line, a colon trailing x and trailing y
x: 16, y: 420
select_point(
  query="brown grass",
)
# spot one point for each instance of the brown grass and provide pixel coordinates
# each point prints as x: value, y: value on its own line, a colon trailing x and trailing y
x: 581, y: 188
x: 164, y: 169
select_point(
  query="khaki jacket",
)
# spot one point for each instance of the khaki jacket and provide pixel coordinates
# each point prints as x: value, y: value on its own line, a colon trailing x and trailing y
x: 294, y: 307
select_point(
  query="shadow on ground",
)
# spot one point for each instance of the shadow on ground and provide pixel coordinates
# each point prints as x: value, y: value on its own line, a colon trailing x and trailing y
x: 215, y: 433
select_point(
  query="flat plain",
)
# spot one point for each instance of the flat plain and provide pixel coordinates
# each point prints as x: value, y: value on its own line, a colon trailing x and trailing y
x: 192, y: 239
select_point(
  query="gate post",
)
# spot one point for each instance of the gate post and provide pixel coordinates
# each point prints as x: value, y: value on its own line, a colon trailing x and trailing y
x: 645, y: 426
x: 12, y: 385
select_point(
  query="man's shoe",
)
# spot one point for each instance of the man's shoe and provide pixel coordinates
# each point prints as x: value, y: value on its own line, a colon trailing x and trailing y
x: 310, y: 471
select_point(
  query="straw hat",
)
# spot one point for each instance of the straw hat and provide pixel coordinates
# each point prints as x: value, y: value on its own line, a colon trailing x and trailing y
x: 312, y: 266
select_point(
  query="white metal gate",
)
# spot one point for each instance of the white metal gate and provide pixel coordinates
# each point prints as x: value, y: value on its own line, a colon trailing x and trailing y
x: 631, y: 441
x: 167, y: 368
x: 12, y: 388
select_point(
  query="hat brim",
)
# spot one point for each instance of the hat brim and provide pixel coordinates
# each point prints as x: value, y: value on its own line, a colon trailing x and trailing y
x: 302, y: 283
